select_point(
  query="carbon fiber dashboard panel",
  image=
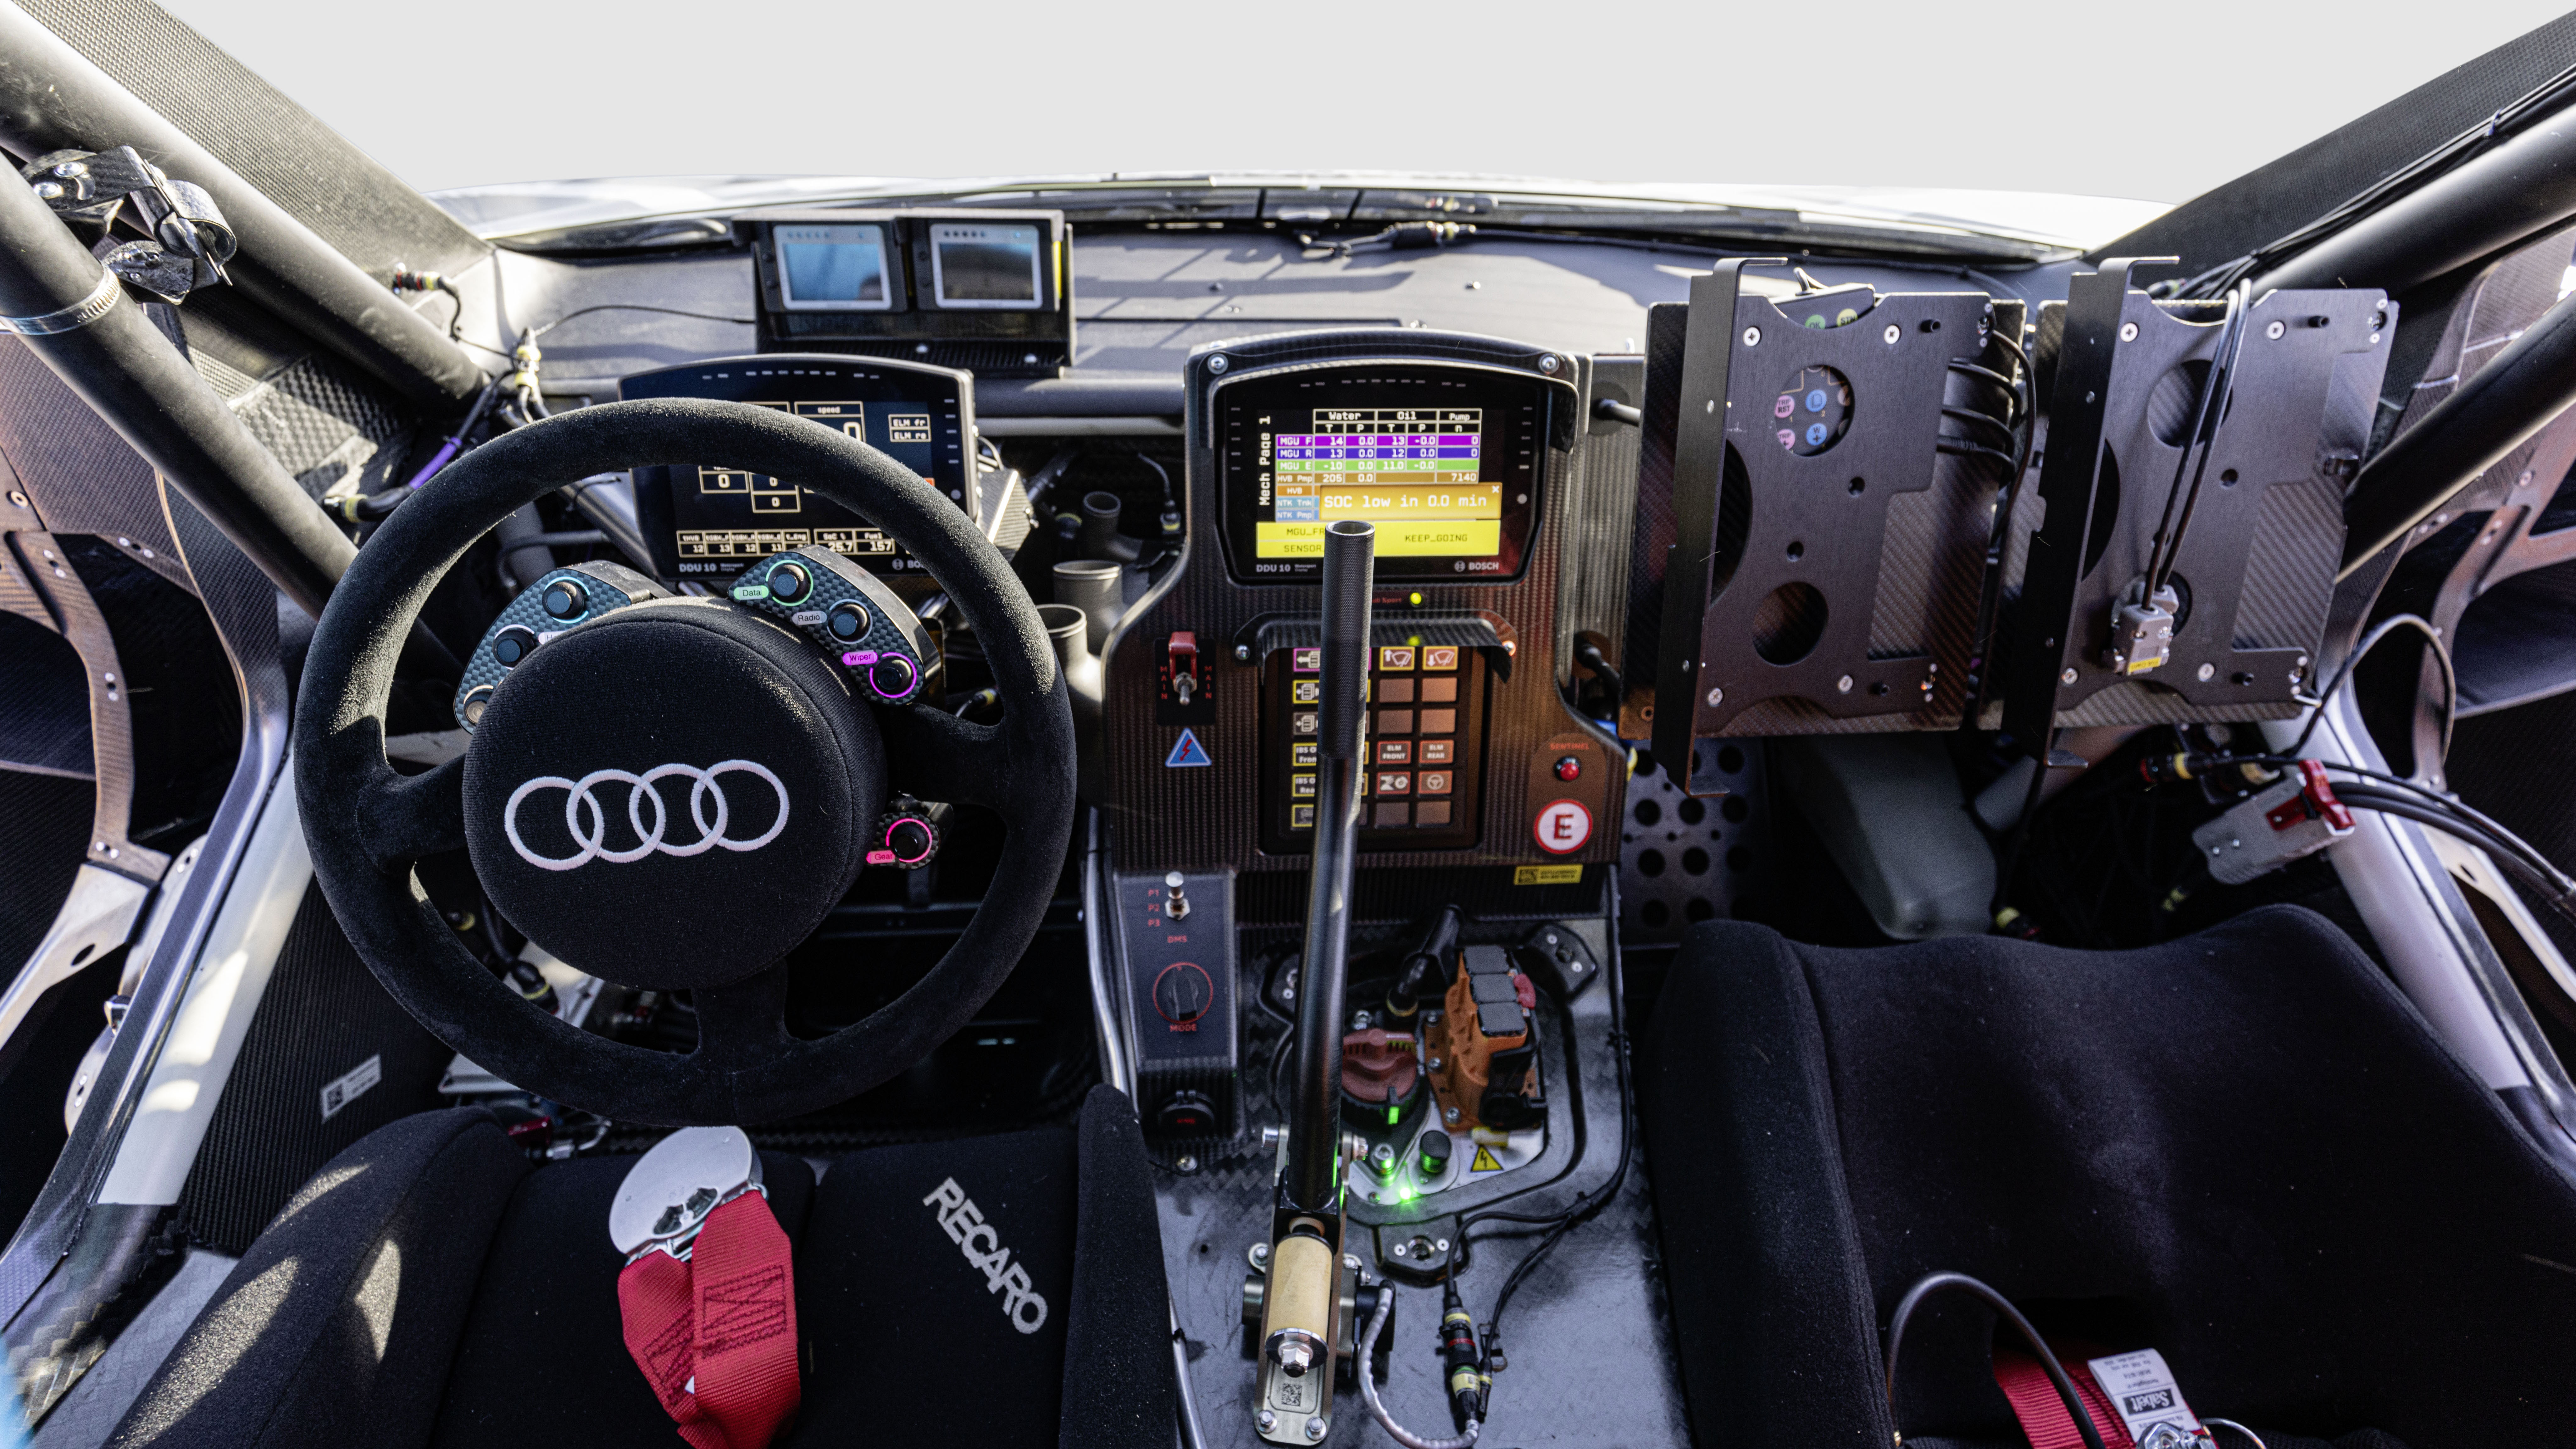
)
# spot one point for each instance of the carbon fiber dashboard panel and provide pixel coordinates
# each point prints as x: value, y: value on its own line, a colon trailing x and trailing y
x: 1163, y: 817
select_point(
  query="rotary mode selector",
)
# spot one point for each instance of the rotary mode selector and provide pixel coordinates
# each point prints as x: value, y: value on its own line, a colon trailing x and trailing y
x: 1182, y: 993
x: 847, y: 621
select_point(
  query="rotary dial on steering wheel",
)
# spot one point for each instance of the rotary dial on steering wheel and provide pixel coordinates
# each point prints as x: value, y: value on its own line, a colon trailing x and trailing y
x: 671, y: 793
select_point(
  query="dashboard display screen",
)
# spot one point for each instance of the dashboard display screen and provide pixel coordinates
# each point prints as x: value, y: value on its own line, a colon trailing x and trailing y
x: 975, y: 265
x: 1444, y: 461
x: 707, y: 522
x: 834, y: 269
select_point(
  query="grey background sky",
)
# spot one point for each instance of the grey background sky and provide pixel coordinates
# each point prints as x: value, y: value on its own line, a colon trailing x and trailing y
x: 2159, y: 102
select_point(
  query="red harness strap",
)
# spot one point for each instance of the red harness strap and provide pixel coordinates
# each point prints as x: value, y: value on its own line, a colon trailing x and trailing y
x: 2043, y: 1415
x: 716, y: 1335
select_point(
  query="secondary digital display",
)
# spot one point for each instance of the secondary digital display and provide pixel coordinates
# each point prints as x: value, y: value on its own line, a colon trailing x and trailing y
x: 999, y: 267
x: 834, y: 269
x: 709, y: 521
x: 1444, y: 462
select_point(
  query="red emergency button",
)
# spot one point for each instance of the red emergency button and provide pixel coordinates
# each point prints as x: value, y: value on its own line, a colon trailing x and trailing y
x: 1569, y: 768
x: 1562, y: 827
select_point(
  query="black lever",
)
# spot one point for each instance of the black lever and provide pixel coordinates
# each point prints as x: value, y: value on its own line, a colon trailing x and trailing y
x: 1427, y: 970
x: 1310, y: 1184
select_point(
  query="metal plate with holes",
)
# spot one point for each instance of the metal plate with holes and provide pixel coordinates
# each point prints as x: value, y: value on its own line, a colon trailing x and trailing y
x: 2255, y: 568
x: 672, y: 1188
x: 1684, y: 860
x: 1796, y: 448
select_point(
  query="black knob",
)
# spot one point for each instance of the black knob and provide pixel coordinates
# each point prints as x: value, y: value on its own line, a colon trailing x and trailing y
x: 513, y: 644
x: 565, y: 599
x: 788, y: 582
x: 1185, y: 1114
x: 847, y: 622
x: 1183, y: 993
x: 1433, y: 1150
x: 892, y: 676
x: 910, y: 840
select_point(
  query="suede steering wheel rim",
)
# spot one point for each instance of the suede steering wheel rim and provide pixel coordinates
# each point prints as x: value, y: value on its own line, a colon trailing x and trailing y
x: 366, y: 825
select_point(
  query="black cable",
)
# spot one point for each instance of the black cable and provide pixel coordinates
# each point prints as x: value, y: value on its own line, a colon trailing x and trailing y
x: 2431, y: 797
x: 2360, y: 651
x: 1934, y: 1283
x: 2012, y: 393
x: 2202, y: 436
x: 544, y: 328
x: 2012, y: 435
x: 2558, y: 897
x: 1962, y: 448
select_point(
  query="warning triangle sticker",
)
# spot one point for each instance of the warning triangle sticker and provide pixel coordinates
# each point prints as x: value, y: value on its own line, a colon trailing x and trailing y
x: 1188, y: 753
x: 1484, y: 1160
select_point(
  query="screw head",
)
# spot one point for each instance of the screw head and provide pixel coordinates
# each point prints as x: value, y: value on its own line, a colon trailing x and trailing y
x: 1752, y: 336
x: 1716, y: 696
x: 1267, y: 1420
x: 71, y: 168
x: 1451, y: 1115
x: 1218, y: 363
x: 1395, y: 1250
x: 2128, y: 331
x: 2068, y: 677
x: 1549, y: 364
x: 1314, y: 1429
x: 1383, y: 1155
x: 1892, y: 333
x: 18, y: 498
x: 2275, y: 330
x: 1243, y: 654
x: 2206, y: 671
x: 1442, y: 1245
x: 49, y: 190
x: 1261, y: 1252
x: 1186, y: 1163
x: 1843, y: 685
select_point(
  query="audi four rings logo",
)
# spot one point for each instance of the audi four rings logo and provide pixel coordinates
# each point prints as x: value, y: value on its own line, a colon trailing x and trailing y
x: 581, y: 805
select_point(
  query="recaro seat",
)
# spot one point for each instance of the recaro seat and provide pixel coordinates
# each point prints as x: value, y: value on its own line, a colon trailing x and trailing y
x: 2243, y: 1149
x: 429, y: 1287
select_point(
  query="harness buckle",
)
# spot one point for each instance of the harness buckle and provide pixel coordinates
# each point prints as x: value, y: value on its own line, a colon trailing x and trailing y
x: 669, y: 1193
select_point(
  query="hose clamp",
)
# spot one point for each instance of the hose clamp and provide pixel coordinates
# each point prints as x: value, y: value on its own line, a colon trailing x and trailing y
x: 72, y: 318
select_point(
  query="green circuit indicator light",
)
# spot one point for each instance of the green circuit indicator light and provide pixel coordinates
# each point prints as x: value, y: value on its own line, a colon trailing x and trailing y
x: 1390, y: 1116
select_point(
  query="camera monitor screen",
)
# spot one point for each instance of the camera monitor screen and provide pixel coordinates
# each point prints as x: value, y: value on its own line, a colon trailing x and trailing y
x: 996, y: 266
x: 834, y: 269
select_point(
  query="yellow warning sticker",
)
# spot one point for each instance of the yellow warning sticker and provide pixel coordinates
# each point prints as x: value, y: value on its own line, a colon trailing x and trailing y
x: 1547, y: 875
x: 1484, y: 1160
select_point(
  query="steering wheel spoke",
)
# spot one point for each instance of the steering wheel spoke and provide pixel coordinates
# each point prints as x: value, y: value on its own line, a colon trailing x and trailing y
x: 935, y: 755
x: 404, y: 817
x: 743, y: 1024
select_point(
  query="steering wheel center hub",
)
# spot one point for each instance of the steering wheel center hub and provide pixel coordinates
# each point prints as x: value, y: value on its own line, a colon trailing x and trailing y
x: 671, y: 797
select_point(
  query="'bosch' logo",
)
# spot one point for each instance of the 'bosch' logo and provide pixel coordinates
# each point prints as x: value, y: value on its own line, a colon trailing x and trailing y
x: 587, y: 819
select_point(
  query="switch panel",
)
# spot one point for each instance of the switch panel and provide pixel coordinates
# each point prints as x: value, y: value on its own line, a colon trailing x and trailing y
x: 1424, y: 786
x: 1174, y: 934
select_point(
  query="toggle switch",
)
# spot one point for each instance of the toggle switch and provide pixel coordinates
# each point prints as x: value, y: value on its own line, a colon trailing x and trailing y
x: 1181, y: 659
x: 1176, y: 906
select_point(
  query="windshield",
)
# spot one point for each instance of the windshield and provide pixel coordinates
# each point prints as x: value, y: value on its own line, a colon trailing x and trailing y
x: 1928, y: 135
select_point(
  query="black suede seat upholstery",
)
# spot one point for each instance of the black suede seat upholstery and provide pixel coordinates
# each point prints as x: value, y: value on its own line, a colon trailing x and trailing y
x: 429, y: 1287
x: 2243, y: 1149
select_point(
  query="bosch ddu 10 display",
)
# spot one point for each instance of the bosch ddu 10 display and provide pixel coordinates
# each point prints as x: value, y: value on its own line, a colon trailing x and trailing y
x: 2197, y: 457
x: 1836, y: 454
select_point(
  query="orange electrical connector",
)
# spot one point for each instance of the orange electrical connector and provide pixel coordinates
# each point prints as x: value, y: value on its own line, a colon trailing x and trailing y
x: 1487, y: 1062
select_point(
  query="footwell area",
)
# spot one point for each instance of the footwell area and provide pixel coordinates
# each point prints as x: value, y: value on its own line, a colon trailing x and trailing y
x: 1588, y: 1335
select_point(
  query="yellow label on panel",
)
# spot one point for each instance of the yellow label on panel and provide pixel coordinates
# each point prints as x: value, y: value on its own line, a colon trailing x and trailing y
x: 1485, y: 1161
x: 1547, y: 875
x: 1396, y: 537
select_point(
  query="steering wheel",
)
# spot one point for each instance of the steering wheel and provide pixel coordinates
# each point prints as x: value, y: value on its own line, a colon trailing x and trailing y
x: 696, y: 711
